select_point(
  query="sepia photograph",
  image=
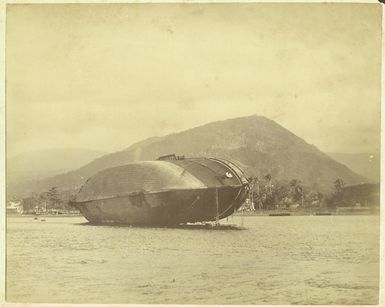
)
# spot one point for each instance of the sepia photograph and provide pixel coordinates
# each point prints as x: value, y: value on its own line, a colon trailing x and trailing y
x: 193, y: 153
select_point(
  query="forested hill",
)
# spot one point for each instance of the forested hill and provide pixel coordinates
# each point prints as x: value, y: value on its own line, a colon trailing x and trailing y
x: 256, y: 143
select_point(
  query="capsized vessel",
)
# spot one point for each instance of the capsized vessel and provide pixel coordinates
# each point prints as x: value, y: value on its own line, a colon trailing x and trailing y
x: 169, y: 191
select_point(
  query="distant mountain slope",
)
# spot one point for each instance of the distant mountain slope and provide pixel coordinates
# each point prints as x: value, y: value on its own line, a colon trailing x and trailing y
x: 50, y: 162
x: 257, y: 144
x: 366, y: 164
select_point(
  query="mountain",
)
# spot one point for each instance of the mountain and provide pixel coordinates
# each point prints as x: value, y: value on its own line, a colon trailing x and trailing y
x: 259, y: 145
x: 50, y: 162
x: 365, y: 164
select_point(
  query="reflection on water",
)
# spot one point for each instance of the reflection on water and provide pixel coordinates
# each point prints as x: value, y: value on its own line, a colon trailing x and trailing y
x: 280, y: 260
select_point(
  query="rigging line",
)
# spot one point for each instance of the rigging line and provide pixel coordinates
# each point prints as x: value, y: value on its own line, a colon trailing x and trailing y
x: 193, y: 203
x: 232, y: 203
x: 217, y: 204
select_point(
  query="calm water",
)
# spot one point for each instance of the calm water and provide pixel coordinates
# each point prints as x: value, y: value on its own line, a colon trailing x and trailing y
x: 275, y: 260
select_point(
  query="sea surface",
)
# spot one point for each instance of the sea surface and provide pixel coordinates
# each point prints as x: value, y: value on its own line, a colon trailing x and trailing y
x: 262, y: 260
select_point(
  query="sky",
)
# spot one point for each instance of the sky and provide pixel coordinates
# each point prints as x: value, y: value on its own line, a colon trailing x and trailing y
x: 105, y: 76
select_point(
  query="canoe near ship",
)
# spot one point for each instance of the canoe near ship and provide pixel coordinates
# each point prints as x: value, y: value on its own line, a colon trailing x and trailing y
x: 169, y: 191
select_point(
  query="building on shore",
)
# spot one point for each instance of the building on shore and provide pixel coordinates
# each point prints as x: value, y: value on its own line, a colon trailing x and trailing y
x: 14, y: 207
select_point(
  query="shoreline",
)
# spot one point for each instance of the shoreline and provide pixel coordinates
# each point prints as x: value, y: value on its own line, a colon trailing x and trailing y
x: 306, y: 213
x: 271, y: 213
x: 44, y: 215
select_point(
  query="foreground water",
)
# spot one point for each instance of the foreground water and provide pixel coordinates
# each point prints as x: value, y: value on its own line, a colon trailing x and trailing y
x: 274, y: 260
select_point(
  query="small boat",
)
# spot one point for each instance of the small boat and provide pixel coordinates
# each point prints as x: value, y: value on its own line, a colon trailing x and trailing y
x: 323, y: 213
x: 280, y: 214
x: 169, y: 191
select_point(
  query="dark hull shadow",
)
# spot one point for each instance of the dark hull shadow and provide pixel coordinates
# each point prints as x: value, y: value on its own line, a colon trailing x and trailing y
x: 206, y: 226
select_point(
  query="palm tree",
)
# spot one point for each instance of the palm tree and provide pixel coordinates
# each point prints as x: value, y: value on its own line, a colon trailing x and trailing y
x: 339, y: 185
x: 297, y: 190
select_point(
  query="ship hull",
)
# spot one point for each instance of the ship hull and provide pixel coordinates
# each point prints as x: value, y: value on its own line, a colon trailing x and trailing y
x: 165, y: 208
x: 163, y: 192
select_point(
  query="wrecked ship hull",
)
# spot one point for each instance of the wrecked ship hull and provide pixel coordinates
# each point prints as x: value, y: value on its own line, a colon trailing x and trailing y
x: 163, y: 192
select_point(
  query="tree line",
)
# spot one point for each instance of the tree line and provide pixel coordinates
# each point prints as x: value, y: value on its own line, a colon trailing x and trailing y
x: 49, y: 200
x: 266, y: 194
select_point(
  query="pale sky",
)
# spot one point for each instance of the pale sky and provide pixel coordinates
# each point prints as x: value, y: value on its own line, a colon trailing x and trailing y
x: 105, y: 76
